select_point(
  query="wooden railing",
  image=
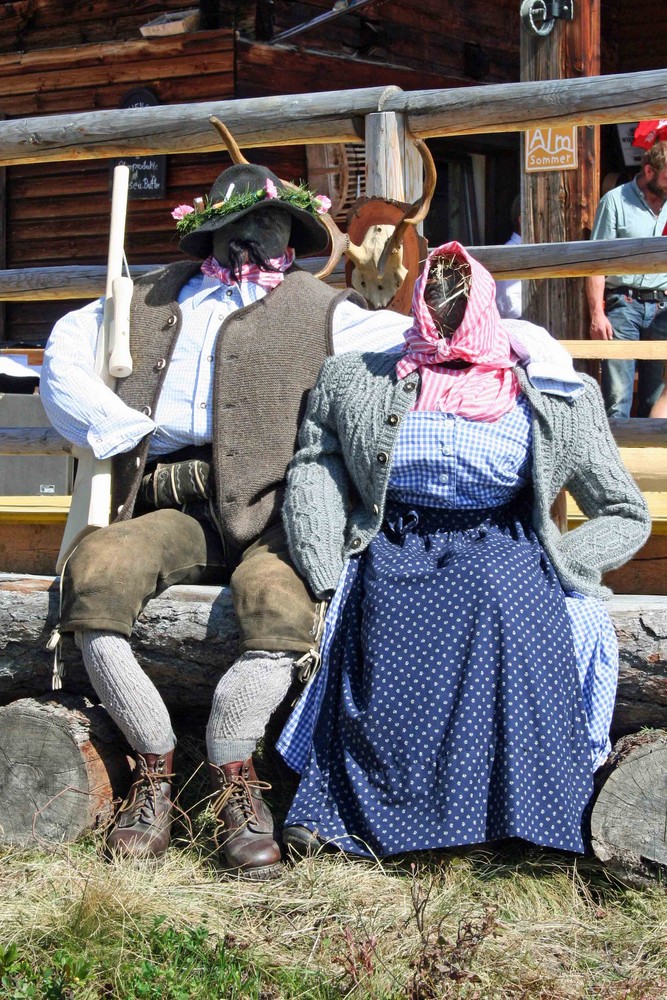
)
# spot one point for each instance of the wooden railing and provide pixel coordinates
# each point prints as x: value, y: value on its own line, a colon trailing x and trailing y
x: 386, y: 117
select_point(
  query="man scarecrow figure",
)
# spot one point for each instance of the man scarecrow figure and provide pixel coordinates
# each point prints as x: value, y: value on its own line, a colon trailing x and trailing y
x: 201, y: 435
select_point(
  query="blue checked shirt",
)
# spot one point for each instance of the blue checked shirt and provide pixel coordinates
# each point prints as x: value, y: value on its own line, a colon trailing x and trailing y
x: 446, y: 460
x: 88, y: 413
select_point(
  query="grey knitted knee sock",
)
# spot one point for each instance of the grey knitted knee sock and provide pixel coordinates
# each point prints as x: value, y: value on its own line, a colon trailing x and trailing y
x: 246, y: 696
x: 130, y: 698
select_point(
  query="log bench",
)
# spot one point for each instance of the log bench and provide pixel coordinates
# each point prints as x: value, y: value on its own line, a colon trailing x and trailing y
x: 58, y: 754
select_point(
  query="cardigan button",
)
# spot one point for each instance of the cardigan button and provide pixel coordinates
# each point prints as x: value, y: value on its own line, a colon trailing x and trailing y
x: 392, y: 419
x: 171, y: 320
x: 160, y: 364
x: 355, y: 543
x: 147, y: 410
x: 409, y: 386
x: 376, y: 509
x: 382, y: 457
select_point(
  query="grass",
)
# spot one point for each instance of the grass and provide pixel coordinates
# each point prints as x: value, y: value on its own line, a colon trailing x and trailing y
x: 521, y: 924
x: 515, y: 923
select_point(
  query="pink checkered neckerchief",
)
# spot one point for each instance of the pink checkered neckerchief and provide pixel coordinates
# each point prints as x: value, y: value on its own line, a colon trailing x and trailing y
x: 250, y: 272
x: 488, y: 388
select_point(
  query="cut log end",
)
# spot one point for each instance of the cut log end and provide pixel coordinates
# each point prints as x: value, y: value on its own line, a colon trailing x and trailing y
x: 629, y: 817
x: 61, y: 767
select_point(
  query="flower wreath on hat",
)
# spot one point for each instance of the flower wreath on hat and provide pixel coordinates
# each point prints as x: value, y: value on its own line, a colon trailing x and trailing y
x: 191, y: 217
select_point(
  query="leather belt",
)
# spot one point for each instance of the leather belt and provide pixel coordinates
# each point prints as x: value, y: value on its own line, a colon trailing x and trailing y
x: 640, y: 294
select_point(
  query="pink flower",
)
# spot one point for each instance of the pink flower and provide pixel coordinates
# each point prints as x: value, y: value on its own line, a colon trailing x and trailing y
x: 271, y: 189
x: 181, y: 211
x: 322, y: 204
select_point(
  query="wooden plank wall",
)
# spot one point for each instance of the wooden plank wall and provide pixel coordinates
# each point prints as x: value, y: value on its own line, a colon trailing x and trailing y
x: 59, y: 212
x: 475, y: 41
x: 28, y: 25
x: 634, y: 35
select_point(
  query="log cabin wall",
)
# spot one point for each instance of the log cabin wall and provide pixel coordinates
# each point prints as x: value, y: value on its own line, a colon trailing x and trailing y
x: 55, y: 59
x: 59, y: 212
x: 458, y: 42
x: 633, y: 35
x: 30, y: 25
x: 431, y: 45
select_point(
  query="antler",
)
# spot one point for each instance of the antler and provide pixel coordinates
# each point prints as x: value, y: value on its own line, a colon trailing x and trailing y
x: 340, y: 244
x: 230, y: 143
x: 418, y: 211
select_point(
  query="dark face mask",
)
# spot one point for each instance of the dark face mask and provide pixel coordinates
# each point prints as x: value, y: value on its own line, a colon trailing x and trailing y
x: 254, y: 239
x: 446, y: 301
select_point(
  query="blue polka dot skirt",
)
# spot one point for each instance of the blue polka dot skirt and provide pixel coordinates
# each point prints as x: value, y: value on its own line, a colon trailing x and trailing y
x: 452, y: 714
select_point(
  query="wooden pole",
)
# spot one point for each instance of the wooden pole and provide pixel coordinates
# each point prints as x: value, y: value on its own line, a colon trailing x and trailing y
x: 558, y: 205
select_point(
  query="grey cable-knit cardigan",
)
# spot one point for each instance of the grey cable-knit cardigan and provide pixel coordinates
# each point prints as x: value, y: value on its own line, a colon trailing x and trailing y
x: 337, y: 480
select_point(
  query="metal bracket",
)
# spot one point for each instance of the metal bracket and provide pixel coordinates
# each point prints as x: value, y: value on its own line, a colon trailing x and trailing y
x: 560, y: 8
x: 540, y: 16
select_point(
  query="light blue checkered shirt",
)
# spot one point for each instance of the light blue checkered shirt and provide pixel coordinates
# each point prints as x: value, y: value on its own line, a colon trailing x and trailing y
x: 88, y: 413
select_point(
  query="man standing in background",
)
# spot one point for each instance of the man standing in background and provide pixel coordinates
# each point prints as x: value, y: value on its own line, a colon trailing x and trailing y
x: 632, y: 306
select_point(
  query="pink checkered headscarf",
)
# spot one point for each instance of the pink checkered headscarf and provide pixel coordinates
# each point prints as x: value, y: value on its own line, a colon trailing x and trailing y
x: 486, y: 390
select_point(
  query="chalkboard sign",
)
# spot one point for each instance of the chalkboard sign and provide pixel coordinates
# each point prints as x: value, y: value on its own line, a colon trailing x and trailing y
x: 147, y: 173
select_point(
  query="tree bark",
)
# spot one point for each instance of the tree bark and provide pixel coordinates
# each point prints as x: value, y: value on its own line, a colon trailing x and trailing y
x: 62, y: 764
x: 628, y: 832
x: 184, y: 640
x: 187, y: 637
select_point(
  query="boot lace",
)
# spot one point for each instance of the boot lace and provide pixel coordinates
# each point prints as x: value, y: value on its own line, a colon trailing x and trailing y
x: 141, y: 802
x: 236, y: 794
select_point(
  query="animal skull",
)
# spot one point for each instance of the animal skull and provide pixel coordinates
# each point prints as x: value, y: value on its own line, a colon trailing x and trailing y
x: 378, y: 289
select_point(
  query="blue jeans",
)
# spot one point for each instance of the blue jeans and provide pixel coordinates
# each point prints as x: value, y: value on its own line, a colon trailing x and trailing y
x: 632, y: 320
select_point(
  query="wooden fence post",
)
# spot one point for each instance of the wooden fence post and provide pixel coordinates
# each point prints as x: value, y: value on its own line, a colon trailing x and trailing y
x: 558, y: 205
x: 393, y: 165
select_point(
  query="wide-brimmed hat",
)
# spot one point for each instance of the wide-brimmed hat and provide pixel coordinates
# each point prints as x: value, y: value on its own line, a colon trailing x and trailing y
x: 241, y: 189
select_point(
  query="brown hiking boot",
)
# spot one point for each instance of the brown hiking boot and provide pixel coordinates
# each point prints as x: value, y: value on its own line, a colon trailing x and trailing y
x: 245, y: 835
x: 143, y: 821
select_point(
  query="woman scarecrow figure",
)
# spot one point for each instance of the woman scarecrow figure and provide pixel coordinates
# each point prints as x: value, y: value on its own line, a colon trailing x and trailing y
x: 469, y: 667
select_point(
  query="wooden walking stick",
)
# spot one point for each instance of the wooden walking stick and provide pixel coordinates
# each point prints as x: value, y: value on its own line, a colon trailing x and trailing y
x: 91, y: 497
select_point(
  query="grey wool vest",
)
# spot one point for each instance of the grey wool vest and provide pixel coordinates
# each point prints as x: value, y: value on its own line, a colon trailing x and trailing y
x: 267, y: 357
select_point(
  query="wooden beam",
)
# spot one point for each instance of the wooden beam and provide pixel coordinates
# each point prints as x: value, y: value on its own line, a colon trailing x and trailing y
x: 639, y: 432
x: 385, y: 139
x: 541, y: 260
x: 600, y: 100
x: 576, y: 257
x: 33, y: 441
x: 647, y: 466
x: 632, y: 433
x: 629, y: 350
x: 333, y: 117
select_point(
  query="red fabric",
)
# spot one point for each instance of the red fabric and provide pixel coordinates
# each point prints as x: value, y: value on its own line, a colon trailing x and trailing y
x: 486, y: 390
x: 250, y: 272
x: 649, y: 132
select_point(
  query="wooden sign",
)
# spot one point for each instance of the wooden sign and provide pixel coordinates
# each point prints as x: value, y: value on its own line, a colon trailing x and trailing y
x: 551, y: 149
x: 147, y: 173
